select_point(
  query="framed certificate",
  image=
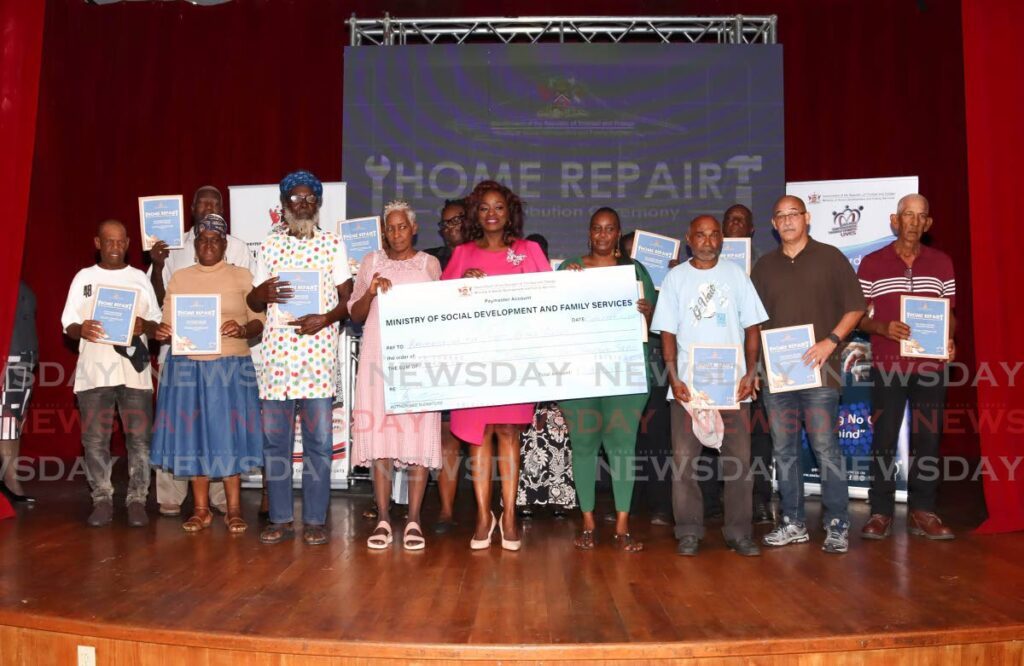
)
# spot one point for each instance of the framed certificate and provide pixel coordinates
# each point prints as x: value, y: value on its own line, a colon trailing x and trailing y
x: 738, y: 251
x: 195, y: 324
x: 114, y: 309
x: 306, y: 297
x: 162, y: 219
x: 361, y: 236
x: 713, y: 376
x: 784, y: 349
x: 654, y: 252
x: 928, y: 319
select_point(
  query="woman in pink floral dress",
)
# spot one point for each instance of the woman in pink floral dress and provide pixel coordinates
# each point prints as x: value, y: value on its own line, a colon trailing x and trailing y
x: 494, y: 246
x: 385, y: 441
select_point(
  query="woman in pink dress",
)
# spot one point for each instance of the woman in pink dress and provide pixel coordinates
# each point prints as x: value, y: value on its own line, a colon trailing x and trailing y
x: 494, y: 246
x: 385, y: 441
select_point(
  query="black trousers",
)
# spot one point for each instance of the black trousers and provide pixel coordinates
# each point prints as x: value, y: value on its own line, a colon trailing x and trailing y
x: 760, y: 463
x: 927, y: 397
x: 653, y: 487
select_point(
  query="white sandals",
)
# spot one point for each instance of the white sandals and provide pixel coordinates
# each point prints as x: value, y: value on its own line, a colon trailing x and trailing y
x: 380, y: 541
x: 413, y: 541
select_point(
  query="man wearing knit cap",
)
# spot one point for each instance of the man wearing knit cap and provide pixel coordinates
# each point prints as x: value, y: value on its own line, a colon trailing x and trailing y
x: 171, y: 492
x: 299, y: 358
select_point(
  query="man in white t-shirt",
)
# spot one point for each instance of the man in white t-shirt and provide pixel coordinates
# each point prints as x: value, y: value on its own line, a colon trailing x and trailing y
x: 170, y: 491
x: 110, y: 377
x: 705, y: 301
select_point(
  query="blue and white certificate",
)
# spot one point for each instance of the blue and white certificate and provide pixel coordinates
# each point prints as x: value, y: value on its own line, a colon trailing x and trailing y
x: 195, y: 324
x: 361, y: 237
x: 510, y: 339
x: 928, y: 319
x: 114, y: 309
x: 784, y: 349
x: 737, y: 250
x: 307, y: 297
x: 713, y: 376
x: 655, y: 252
x: 162, y: 219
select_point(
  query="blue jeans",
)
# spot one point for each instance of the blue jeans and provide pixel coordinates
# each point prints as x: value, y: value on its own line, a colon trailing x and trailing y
x: 814, y: 410
x: 278, y: 438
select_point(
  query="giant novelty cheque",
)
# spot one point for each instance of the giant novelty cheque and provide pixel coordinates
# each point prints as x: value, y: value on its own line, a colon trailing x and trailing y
x: 510, y: 339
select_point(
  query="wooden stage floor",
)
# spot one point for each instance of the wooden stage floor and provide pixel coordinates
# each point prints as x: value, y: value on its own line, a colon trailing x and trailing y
x: 159, y: 595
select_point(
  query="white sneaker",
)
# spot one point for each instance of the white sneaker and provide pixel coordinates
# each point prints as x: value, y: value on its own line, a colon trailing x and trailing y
x: 786, y: 533
x: 837, y: 536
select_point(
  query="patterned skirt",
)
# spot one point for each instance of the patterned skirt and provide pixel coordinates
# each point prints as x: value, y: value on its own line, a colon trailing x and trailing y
x: 545, y: 477
x: 16, y: 393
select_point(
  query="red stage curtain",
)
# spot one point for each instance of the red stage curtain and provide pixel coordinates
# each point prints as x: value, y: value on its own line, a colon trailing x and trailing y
x: 159, y: 97
x: 21, y: 41
x: 994, y: 82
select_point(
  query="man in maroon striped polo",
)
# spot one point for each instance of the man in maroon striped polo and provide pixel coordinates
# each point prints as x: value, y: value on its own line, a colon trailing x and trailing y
x: 905, y: 267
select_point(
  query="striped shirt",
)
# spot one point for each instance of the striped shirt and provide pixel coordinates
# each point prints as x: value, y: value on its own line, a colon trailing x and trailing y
x: 884, y: 277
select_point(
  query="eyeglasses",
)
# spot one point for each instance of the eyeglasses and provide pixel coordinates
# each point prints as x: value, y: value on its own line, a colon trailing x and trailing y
x: 782, y: 217
x: 452, y: 222
x: 298, y: 198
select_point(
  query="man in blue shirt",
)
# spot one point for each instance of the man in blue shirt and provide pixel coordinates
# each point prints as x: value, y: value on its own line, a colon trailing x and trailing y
x: 707, y: 302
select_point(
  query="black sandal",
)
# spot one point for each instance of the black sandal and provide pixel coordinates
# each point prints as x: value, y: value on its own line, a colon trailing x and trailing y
x: 585, y: 540
x: 625, y: 542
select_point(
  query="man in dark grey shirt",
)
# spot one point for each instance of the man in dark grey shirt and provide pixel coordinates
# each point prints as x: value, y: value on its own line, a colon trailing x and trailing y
x: 807, y: 282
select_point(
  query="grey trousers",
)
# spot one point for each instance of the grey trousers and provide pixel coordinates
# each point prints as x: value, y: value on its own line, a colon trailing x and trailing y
x: 97, y: 408
x: 687, y: 500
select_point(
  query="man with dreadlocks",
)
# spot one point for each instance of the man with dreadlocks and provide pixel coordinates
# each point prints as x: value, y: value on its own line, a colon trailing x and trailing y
x: 299, y: 357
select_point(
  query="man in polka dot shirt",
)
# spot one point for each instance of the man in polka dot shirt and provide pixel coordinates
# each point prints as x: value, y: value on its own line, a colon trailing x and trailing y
x: 299, y: 357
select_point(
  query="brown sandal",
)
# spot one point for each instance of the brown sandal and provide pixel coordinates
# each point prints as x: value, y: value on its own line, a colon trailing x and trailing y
x: 315, y: 535
x: 585, y: 540
x: 277, y: 532
x: 625, y: 542
x: 200, y: 520
x: 236, y: 524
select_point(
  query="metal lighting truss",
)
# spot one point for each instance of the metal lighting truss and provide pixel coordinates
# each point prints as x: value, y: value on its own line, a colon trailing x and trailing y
x: 738, y: 29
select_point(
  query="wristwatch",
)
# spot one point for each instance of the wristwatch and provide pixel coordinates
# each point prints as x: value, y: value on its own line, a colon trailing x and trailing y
x: 834, y: 338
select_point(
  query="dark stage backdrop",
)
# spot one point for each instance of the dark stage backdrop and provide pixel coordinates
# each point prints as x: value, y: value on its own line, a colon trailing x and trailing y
x: 660, y: 132
x: 157, y: 98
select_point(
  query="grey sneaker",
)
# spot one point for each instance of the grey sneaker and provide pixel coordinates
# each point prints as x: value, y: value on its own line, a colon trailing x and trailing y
x: 102, y: 514
x: 786, y: 533
x: 137, y: 515
x: 837, y: 536
x: 744, y: 546
x: 688, y: 545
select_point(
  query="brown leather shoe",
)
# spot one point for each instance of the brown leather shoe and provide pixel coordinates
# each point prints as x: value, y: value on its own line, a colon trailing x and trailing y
x: 878, y: 527
x: 928, y: 525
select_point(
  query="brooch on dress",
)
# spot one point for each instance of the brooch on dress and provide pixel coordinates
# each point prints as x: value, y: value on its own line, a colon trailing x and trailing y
x: 513, y: 258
